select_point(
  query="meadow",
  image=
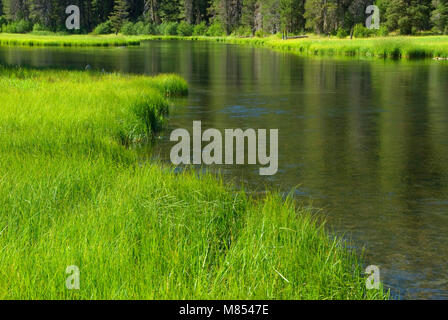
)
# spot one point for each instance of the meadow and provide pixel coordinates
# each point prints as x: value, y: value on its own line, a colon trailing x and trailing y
x: 395, y: 47
x: 76, y: 189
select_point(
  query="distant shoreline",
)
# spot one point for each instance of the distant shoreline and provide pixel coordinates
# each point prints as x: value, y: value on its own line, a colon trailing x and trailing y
x: 393, y: 47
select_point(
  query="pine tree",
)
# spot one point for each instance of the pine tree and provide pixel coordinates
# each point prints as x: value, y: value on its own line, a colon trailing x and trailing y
x: 228, y: 13
x: 170, y: 10
x: 395, y: 10
x: 189, y: 10
x: 16, y: 9
x: 270, y: 10
x: 291, y: 15
x: 419, y: 12
x: 321, y: 15
x: 41, y: 12
x: 248, y: 14
x: 439, y: 15
x: 151, y: 11
x: 356, y: 13
x: 119, y: 15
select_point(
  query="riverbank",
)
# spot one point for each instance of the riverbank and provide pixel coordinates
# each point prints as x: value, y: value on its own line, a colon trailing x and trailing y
x: 395, y: 47
x: 9, y: 39
x: 75, y: 191
x: 399, y: 47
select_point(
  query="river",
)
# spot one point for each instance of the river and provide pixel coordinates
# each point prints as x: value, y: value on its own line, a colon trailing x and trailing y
x: 364, y: 140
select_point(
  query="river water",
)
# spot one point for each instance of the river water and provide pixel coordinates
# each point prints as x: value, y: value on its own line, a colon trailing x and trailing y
x: 364, y: 140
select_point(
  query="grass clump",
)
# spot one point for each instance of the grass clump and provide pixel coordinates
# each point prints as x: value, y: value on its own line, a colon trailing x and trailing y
x: 72, y: 193
x: 45, y: 39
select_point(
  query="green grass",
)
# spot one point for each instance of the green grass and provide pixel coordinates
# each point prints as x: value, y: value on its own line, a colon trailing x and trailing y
x: 8, y: 39
x: 386, y: 47
x: 75, y: 190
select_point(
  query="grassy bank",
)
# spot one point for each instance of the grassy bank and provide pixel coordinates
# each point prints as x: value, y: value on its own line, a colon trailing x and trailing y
x: 9, y: 39
x: 74, y: 191
x: 387, y: 47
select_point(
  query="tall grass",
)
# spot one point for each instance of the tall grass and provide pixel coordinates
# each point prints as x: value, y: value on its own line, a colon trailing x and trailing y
x: 381, y: 47
x: 7, y: 39
x: 73, y: 193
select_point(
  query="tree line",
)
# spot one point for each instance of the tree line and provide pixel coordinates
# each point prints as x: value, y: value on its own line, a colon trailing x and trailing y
x: 240, y: 17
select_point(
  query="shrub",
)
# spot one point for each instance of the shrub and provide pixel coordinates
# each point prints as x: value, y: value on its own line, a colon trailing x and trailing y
x: 259, y: 33
x: 200, y: 29
x: 158, y: 29
x: 103, y: 28
x: 216, y: 30
x: 243, y: 31
x: 360, y: 31
x: 185, y: 29
x: 3, y: 21
x: 139, y: 28
x: 38, y: 27
x: 405, y: 25
x: 383, y: 31
x: 24, y: 26
x: 149, y: 29
x: 21, y: 26
x: 168, y: 28
x: 342, y: 33
x: 128, y: 29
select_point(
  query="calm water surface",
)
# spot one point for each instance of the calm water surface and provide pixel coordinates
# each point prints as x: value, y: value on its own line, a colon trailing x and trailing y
x: 367, y: 141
